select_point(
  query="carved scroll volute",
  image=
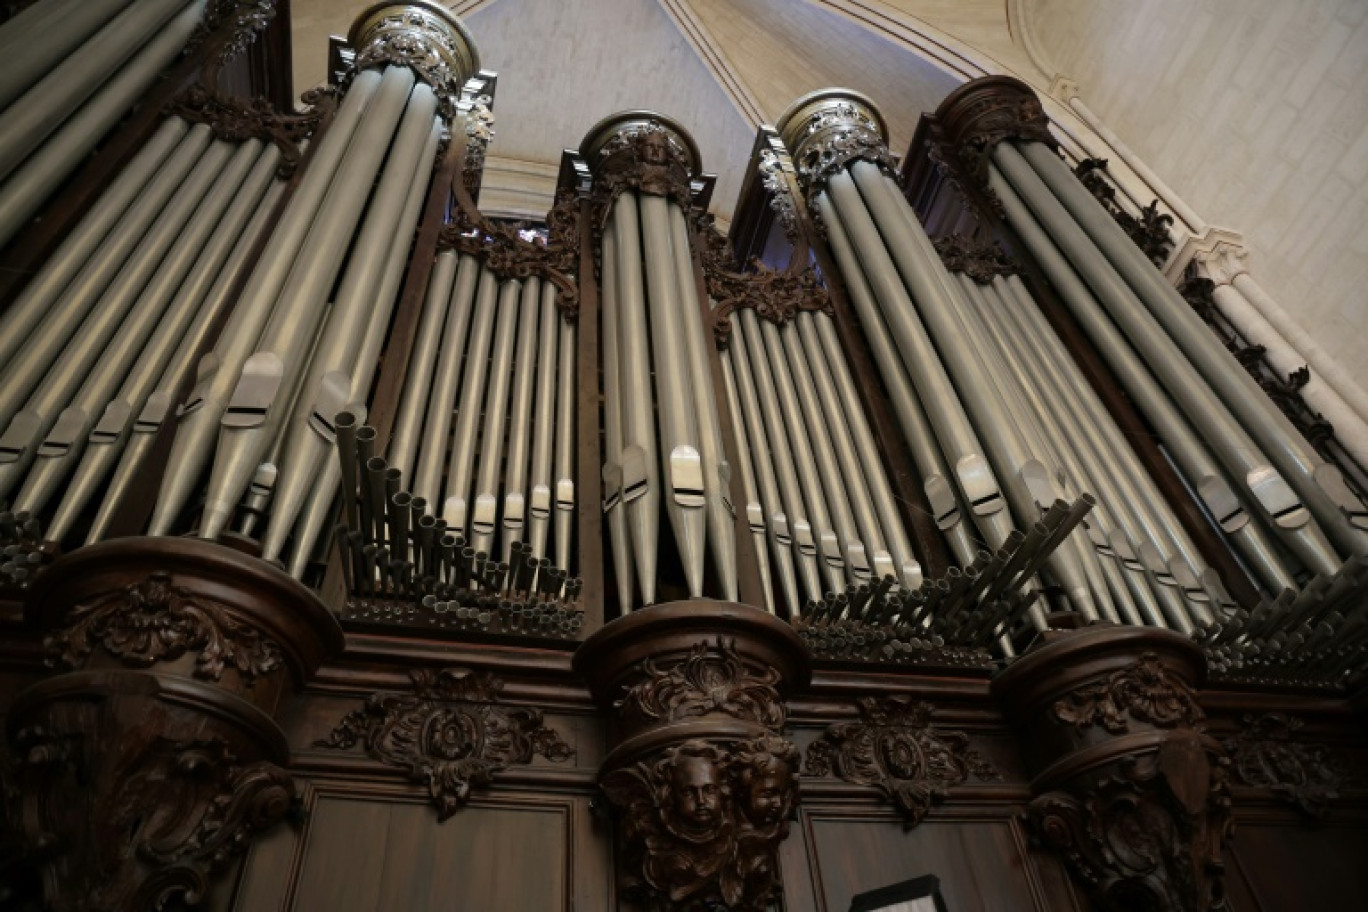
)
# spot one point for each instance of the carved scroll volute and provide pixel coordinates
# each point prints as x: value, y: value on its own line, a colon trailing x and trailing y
x: 144, y: 769
x: 1131, y: 791
x: 701, y: 779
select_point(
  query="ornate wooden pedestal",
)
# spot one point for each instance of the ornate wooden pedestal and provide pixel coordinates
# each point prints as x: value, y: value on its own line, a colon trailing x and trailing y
x: 149, y: 765
x: 701, y: 778
x: 1130, y: 790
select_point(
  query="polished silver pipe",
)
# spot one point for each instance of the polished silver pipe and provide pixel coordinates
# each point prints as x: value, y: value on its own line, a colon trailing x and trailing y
x: 681, y: 461
x: 317, y: 508
x: 41, y: 35
x: 1190, y: 454
x: 1168, y: 312
x: 335, y: 373
x: 33, y: 182
x: 220, y: 371
x: 484, y: 516
x: 33, y: 361
x: 40, y: 110
x: 746, y: 328
x: 163, y: 399
x: 490, y: 298
x: 79, y: 248
x: 119, y: 313
x: 256, y: 412
x: 543, y: 432
x: 565, y: 444
x: 457, y: 301
x: 716, y: 469
x: 887, y: 527
x: 640, y: 465
x: 923, y: 275
x: 916, y: 429
x: 755, y: 511
x: 614, y: 512
x: 772, y: 519
x: 422, y: 367
x: 226, y: 209
x: 520, y: 418
x: 957, y: 437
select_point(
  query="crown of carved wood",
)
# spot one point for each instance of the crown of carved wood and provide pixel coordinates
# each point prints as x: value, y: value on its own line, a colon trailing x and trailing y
x: 980, y: 262
x: 424, y: 37
x: 638, y: 151
x: 702, y: 822
x: 827, y: 131
x: 984, y: 112
x: 895, y: 749
x: 450, y: 734
x: 1263, y: 755
x: 506, y: 254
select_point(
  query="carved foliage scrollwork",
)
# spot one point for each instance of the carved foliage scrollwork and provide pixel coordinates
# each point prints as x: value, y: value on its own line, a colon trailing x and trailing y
x: 238, y: 22
x: 773, y: 295
x: 771, y: 171
x: 479, y: 132
x: 834, y: 136
x: 1149, y: 231
x: 701, y: 823
x: 647, y: 158
x: 1146, y: 690
x: 236, y: 120
x: 712, y: 678
x: 451, y: 734
x: 895, y: 749
x: 505, y: 253
x: 152, y: 621
x: 417, y: 38
x: 995, y: 118
x: 980, y: 262
x: 1263, y: 755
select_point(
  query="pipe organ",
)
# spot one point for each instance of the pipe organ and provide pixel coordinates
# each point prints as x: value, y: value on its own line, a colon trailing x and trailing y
x: 734, y: 516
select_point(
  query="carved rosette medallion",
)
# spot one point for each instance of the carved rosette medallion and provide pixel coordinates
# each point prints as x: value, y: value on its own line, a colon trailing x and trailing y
x: 828, y: 130
x: 425, y: 37
x: 1132, y: 792
x: 702, y: 783
x: 895, y: 749
x: 1263, y: 755
x: 980, y: 262
x: 152, y: 621
x: 451, y: 733
x: 642, y: 151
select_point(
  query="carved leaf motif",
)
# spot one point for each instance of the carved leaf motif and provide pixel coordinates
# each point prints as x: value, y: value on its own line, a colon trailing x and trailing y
x: 235, y: 120
x: 836, y: 136
x: 894, y: 749
x: 153, y: 621
x: 1145, y: 690
x: 980, y: 262
x: 711, y: 679
x: 450, y: 734
x: 1263, y: 755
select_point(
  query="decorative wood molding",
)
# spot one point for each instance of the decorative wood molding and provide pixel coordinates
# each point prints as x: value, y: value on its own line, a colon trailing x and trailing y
x: 1146, y: 690
x: 237, y: 120
x: 894, y: 749
x: 641, y: 151
x: 771, y: 172
x: 1263, y: 755
x: 702, y: 822
x: 1149, y: 230
x: 151, y: 621
x: 451, y: 734
x: 980, y: 114
x: 710, y: 679
x: 980, y: 262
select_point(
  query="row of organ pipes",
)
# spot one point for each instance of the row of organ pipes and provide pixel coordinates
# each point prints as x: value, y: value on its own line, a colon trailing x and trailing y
x: 200, y: 297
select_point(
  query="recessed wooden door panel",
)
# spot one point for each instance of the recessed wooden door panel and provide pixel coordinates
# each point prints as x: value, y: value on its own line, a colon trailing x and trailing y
x: 1298, y: 867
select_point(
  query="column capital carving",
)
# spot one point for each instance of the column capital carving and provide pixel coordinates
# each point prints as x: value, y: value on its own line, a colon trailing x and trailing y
x: 826, y: 130
x: 425, y: 37
x: 642, y: 151
x: 1220, y: 254
x: 984, y: 112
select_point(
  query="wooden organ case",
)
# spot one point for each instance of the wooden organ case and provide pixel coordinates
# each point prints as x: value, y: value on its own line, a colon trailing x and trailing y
x: 365, y: 553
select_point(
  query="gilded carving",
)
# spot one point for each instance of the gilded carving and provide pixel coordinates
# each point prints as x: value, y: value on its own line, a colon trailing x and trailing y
x: 702, y: 822
x: 771, y: 171
x: 832, y: 137
x: 710, y: 679
x: 1146, y: 690
x: 431, y: 45
x: 450, y: 733
x: 1263, y: 755
x: 152, y: 621
x: 894, y: 749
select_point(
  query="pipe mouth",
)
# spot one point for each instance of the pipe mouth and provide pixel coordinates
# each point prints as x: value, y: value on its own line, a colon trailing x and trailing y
x: 422, y: 35
x: 817, y: 113
x: 614, y: 132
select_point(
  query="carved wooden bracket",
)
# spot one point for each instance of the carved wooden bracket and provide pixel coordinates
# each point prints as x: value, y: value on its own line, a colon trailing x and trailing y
x: 894, y: 749
x: 450, y: 733
x: 702, y: 782
x: 1263, y: 755
x: 1131, y: 791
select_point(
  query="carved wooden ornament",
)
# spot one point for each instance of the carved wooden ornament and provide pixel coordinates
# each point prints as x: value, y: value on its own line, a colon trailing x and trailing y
x: 894, y: 749
x: 449, y: 733
x: 1263, y: 755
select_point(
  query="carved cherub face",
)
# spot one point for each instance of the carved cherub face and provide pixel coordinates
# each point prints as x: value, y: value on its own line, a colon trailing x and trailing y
x: 765, y: 791
x: 697, y: 791
x: 655, y: 149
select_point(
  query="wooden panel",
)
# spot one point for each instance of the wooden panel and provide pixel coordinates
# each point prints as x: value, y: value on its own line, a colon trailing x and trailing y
x: 982, y: 864
x: 1286, y: 867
